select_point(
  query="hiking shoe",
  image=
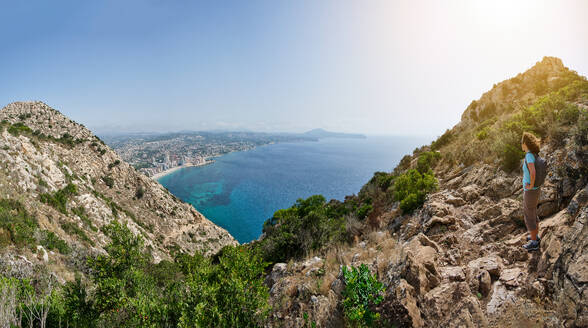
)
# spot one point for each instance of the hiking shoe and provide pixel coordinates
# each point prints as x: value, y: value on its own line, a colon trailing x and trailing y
x: 538, y: 238
x: 532, y: 245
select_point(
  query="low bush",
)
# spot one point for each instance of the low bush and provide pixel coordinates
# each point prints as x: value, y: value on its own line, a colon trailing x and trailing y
x: 362, y: 293
x: 411, y: 188
x: 18, y: 129
x: 308, y: 225
x: 109, y: 181
x: 231, y: 293
x: 59, y: 198
x: 443, y: 140
x: 427, y: 160
x: 73, y: 229
x: 113, y: 164
x: 483, y: 133
x: 16, y: 224
x: 364, y: 211
x: 52, y: 242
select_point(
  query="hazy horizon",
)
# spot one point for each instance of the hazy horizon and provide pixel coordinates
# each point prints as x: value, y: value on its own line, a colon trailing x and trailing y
x: 401, y: 68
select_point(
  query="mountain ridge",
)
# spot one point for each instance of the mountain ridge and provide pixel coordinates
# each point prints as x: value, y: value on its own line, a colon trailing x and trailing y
x: 74, y: 184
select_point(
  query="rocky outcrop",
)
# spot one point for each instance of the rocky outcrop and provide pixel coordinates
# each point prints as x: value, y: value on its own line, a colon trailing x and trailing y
x: 42, y: 151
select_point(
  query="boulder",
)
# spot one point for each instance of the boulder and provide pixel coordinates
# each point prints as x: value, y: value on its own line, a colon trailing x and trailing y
x: 455, y: 201
x: 406, y: 296
x: 470, y: 193
x: 499, y: 299
x: 512, y: 277
x: 278, y: 271
x: 491, y: 263
x: 452, y: 273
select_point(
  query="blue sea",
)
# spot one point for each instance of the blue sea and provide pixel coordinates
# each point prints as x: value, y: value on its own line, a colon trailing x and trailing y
x: 240, y: 190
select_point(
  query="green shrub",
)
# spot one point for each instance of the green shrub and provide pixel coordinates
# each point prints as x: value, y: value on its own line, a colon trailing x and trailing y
x: 308, y: 225
x: 18, y: 128
x: 427, y: 160
x: 229, y: 294
x: 482, y: 134
x: 580, y: 131
x: 382, y: 179
x: 17, y: 226
x: 362, y: 292
x: 59, y: 199
x: 139, y: 192
x: 53, y: 242
x: 443, y: 140
x: 113, y: 164
x: 569, y: 115
x: 73, y: 229
x: 364, y: 211
x: 508, y: 148
x: 109, y: 181
x: 411, y: 188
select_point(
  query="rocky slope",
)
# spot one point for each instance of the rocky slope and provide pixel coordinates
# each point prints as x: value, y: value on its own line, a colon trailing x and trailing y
x: 72, y: 184
x: 458, y: 260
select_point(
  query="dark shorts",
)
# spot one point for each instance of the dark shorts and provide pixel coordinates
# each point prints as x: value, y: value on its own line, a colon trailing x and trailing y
x: 530, y: 201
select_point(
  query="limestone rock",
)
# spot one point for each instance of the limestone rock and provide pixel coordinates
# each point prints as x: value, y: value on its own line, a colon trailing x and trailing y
x: 492, y: 264
x: 453, y: 273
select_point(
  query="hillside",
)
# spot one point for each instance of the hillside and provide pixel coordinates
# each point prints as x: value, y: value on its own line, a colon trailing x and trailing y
x: 456, y: 260
x: 66, y: 185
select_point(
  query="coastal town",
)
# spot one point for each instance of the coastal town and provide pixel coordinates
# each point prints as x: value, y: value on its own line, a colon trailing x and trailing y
x: 159, y: 154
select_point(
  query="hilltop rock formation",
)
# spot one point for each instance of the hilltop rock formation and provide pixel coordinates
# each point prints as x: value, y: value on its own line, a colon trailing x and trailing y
x: 72, y: 184
x: 458, y: 260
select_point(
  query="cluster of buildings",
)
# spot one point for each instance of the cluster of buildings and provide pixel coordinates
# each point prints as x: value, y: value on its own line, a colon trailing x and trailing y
x: 172, y: 161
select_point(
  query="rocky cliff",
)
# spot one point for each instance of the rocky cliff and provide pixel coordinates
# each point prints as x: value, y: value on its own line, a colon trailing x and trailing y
x: 66, y: 184
x: 457, y: 261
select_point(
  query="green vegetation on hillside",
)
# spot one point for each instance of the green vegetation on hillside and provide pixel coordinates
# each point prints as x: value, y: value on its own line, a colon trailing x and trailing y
x: 19, y: 228
x: 59, y: 198
x: 554, y: 115
x: 312, y: 224
x: 20, y: 128
x: 125, y: 289
x: 308, y: 225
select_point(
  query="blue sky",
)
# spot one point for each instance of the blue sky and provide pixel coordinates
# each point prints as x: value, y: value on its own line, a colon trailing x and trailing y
x: 375, y: 67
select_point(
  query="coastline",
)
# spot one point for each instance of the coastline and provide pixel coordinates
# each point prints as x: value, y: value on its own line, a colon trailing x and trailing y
x: 207, y: 161
x: 175, y: 168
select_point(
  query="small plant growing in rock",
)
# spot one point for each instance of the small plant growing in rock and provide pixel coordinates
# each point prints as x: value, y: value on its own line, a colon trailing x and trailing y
x: 113, y: 164
x: 140, y: 192
x: 362, y: 292
x: 109, y: 181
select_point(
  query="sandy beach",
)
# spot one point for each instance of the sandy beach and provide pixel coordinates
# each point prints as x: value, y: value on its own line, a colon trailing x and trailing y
x: 173, y: 169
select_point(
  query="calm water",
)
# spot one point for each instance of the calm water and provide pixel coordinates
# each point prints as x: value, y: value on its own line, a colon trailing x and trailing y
x: 240, y: 190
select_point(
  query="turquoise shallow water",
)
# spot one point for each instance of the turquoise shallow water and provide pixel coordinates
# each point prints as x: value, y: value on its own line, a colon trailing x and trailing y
x: 240, y: 190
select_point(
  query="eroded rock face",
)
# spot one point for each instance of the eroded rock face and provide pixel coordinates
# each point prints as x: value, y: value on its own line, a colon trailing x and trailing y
x: 570, y: 271
x: 56, y: 152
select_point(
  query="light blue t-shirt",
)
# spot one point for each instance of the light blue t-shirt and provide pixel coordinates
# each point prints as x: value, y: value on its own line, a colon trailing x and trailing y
x: 529, y: 158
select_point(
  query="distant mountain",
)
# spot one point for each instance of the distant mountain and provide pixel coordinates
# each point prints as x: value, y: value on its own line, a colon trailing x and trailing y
x: 322, y: 133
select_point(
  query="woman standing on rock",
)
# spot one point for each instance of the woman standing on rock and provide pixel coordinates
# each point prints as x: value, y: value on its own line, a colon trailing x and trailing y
x: 530, y: 145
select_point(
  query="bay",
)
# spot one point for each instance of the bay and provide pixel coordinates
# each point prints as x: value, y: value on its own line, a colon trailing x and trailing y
x: 240, y: 190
